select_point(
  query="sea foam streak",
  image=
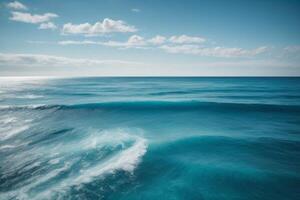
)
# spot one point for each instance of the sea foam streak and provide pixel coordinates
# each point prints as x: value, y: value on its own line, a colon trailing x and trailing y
x: 11, y: 126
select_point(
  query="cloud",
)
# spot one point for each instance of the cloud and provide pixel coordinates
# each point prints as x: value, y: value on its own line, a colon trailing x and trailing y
x: 48, y: 25
x: 16, y: 5
x: 33, y: 19
x: 106, y: 26
x: 134, y: 41
x: 76, y: 42
x: 157, y: 40
x: 213, y: 51
x: 135, y: 10
x: 186, y: 39
x: 49, y: 61
x: 160, y: 42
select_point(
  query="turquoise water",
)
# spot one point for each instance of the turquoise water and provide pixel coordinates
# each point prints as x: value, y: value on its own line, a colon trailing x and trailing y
x: 150, y: 138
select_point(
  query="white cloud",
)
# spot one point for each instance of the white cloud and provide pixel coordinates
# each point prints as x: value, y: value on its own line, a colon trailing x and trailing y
x: 107, y: 26
x: 214, y: 51
x: 77, y: 42
x: 186, y: 39
x: 16, y: 5
x: 134, y: 41
x: 49, y: 61
x: 33, y: 19
x: 135, y: 10
x: 185, y: 49
x: 157, y: 40
x: 48, y: 25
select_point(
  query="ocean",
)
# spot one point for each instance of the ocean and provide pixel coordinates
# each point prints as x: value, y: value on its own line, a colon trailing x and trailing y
x: 149, y: 138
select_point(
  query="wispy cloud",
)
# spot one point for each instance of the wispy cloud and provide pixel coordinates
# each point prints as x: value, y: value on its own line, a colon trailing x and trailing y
x: 48, y: 25
x: 134, y: 41
x: 32, y: 18
x: 106, y: 26
x: 49, y: 60
x: 183, y: 39
x: 135, y: 10
x: 16, y: 5
x: 79, y: 42
x: 183, y: 45
x: 213, y: 51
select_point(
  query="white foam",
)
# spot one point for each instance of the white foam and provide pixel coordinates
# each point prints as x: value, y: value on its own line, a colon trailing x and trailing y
x: 126, y: 160
x: 7, y: 147
x: 12, y: 131
x: 11, y: 125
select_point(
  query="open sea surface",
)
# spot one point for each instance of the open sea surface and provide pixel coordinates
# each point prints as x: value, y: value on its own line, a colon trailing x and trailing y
x: 149, y: 138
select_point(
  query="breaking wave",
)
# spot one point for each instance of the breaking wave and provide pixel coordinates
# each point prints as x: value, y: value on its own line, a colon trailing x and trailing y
x: 57, y: 167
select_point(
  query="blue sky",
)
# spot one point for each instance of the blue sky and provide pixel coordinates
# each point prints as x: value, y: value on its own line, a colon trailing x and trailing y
x: 150, y: 38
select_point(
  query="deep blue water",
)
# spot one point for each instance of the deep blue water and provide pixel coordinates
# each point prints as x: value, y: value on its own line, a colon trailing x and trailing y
x: 150, y: 138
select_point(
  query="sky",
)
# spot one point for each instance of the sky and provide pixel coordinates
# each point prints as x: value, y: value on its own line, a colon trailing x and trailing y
x: 150, y: 38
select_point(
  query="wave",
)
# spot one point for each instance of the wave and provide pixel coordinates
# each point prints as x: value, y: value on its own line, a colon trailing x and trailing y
x: 127, y: 160
x: 169, y: 105
x: 58, y: 167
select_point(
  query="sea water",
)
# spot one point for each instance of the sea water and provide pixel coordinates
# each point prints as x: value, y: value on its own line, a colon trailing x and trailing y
x: 149, y: 138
